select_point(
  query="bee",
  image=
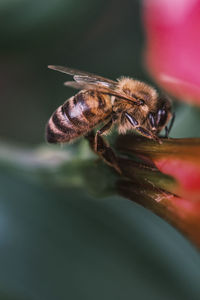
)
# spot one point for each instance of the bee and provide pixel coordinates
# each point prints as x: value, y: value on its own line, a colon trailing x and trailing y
x: 127, y: 103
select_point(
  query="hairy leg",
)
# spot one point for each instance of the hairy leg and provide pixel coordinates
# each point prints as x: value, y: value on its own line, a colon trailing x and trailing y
x: 101, y: 147
x: 148, y: 134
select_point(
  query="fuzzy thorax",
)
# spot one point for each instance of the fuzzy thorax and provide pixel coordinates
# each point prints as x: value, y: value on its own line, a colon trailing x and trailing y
x: 138, y: 89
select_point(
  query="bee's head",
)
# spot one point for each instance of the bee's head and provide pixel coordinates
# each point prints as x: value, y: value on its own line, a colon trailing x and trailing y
x: 159, y: 117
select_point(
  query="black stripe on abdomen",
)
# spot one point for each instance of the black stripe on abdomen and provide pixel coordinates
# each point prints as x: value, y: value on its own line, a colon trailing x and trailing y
x: 60, y: 129
x: 52, y: 136
x: 61, y: 126
x: 74, y: 114
x: 81, y: 100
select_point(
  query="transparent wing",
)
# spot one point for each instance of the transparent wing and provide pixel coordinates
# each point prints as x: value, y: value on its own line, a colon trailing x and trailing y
x: 85, y: 76
x: 88, y: 84
x: 85, y: 80
x: 76, y: 85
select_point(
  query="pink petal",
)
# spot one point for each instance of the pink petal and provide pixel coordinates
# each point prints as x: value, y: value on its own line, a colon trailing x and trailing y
x: 186, y: 173
x: 173, y: 46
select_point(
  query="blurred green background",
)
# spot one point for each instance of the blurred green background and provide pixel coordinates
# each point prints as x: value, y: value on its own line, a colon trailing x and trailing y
x: 63, y: 234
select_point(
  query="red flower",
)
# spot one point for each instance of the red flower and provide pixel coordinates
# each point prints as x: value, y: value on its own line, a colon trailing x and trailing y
x: 175, y: 198
x: 173, y: 46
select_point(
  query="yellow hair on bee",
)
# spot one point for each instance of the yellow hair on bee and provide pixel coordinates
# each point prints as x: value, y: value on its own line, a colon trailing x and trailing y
x: 126, y: 83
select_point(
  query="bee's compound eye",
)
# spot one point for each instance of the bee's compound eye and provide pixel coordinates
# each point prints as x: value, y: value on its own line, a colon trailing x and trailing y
x: 161, y: 117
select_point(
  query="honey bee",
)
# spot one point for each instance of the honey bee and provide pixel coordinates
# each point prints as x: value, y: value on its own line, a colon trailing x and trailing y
x: 127, y: 103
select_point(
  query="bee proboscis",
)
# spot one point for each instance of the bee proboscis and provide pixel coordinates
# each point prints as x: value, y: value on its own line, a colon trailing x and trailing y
x: 127, y: 103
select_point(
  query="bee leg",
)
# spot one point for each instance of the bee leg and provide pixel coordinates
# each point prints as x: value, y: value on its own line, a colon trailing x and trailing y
x: 166, y: 132
x: 148, y: 134
x: 106, y: 152
x: 168, y: 129
x: 141, y: 130
x: 90, y: 136
x: 100, y: 132
x: 102, y: 148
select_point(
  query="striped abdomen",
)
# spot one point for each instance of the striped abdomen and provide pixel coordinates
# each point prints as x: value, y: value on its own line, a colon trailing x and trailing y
x: 77, y: 116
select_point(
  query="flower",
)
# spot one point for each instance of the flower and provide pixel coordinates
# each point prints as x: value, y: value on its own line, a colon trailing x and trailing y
x: 173, y: 46
x: 165, y: 180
